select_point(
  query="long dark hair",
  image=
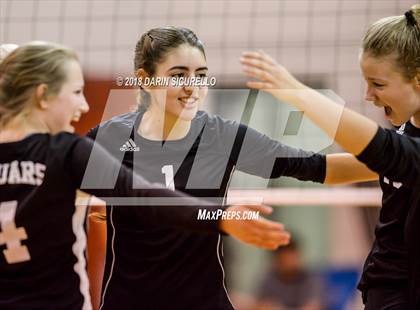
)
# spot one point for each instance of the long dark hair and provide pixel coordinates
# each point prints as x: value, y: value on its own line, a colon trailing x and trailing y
x: 153, y: 47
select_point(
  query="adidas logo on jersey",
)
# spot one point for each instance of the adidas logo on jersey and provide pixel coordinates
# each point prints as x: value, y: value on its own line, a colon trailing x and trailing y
x: 129, y: 146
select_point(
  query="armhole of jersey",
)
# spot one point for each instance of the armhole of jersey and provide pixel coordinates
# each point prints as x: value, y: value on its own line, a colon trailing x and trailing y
x: 108, y: 280
x: 219, y: 247
x: 79, y: 246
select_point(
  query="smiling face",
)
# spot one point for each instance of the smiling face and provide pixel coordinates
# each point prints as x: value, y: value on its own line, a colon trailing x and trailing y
x: 387, y: 88
x: 69, y: 104
x: 184, y: 61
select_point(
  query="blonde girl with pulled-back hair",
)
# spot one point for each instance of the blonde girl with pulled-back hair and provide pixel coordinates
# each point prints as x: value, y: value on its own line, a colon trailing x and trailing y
x: 390, y: 63
x: 42, y: 164
x: 392, y: 45
x: 39, y: 68
x: 398, y: 37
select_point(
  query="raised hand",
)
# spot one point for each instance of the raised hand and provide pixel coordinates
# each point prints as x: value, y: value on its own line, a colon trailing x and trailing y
x: 349, y: 129
x: 271, y: 76
x: 260, y: 232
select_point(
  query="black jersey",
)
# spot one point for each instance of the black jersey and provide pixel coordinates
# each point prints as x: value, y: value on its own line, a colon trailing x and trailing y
x: 386, y: 264
x: 151, y: 267
x: 398, y: 157
x: 42, y: 236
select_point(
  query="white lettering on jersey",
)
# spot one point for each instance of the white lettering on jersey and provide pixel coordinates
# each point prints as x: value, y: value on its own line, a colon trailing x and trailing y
x: 4, y: 172
x: 11, y: 235
x: 25, y: 172
x: 397, y: 184
x: 14, y: 173
x: 393, y: 184
x: 39, y: 173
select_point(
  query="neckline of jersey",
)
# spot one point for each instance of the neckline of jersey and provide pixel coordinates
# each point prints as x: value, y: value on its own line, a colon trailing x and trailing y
x: 21, y: 141
x: 190, y: 135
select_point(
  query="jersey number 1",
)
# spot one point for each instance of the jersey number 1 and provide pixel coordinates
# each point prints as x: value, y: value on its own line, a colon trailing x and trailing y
x: 11, y: 235
x: 168, y: 171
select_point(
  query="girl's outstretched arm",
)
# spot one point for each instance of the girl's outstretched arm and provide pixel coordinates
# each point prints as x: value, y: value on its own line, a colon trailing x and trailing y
x: 350, y: 129
x: 382, y: 150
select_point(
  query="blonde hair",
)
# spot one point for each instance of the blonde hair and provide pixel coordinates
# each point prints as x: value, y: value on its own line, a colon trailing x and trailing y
x: 27, y: 67
x: 399, y: 36
x: 5, y: 49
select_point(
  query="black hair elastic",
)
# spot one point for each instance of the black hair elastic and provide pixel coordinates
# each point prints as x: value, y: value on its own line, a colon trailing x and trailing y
x: 151, y: 38
x: 411, y: 20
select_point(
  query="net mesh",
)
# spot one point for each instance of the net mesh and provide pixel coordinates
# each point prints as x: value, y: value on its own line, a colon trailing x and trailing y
x: 315, y: 39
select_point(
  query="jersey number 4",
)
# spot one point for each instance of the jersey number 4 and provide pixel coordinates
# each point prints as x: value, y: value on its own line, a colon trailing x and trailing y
x: 11, y: 235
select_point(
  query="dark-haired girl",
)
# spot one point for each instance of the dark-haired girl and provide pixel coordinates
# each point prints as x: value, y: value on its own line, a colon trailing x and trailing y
x: 185, y: 148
